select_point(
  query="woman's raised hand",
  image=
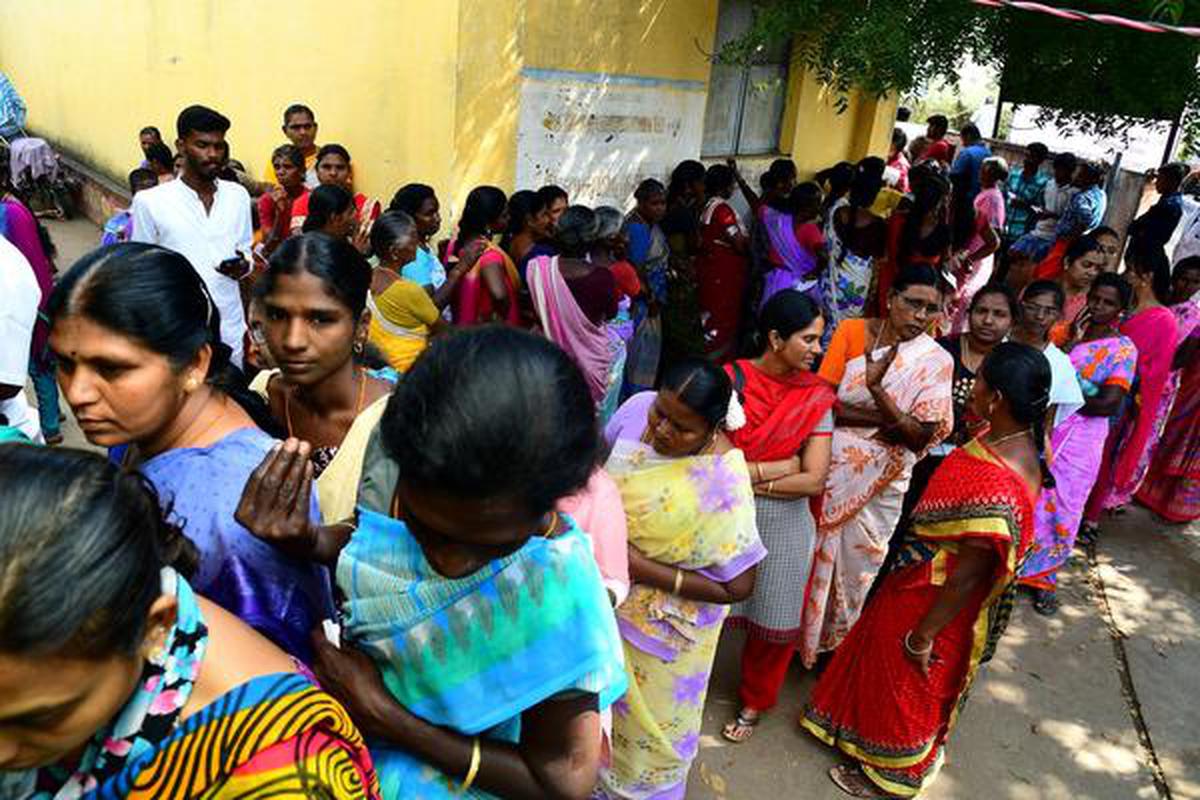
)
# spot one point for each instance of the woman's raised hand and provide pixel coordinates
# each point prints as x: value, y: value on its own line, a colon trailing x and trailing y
x: 1080, y: 324
x: 275, y: 503
x: 875, y: 370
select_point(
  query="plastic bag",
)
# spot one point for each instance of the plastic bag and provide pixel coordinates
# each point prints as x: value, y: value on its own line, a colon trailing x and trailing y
x: 645, y: 349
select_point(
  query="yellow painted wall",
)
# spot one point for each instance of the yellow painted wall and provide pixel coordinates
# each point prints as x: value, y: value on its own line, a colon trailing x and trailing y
x: 488, y: 75
x: 653, y: 38
x: 415, y: 90
x: 817, y: 136
x: 380, y: 76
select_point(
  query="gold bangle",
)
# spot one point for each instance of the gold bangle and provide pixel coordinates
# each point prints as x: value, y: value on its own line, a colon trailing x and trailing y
x: 678, y: 581
x: 770, y: 487
x: 476, y: 758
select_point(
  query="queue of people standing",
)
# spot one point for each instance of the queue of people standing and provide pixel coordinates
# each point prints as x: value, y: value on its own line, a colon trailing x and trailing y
x: 468, y: 516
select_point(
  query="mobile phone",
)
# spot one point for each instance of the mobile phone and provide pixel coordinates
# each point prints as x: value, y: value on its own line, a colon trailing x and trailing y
x: 236, y: 267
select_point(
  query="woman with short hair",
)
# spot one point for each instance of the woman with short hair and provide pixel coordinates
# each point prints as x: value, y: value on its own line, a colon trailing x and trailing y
x: 972, y: 267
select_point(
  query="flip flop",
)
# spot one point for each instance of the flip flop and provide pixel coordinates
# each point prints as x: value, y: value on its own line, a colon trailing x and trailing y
x: 1045, y: 602
x: 746, y: 721
x: 851, y: 780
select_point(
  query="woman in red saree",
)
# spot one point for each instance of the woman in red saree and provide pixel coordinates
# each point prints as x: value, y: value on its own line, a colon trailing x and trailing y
x: 722, y: 270
x: 917, y: 233
x: 490, y: 290
x: 893, y: 691
x: 787, y: 440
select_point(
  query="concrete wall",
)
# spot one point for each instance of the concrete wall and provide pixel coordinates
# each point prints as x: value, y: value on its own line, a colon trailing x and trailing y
x: 816, y: 136
x: 611, y: 93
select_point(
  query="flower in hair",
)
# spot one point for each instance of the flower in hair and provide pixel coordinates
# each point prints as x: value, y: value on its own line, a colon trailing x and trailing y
x: 735, y: 415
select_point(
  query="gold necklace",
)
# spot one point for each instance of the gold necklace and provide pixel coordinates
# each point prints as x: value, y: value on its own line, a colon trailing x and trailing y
x: 997, y: 442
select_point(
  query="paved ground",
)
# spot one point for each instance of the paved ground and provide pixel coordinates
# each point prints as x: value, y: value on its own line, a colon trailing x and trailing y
x: 1048, y: 718
x: 73, y: 239
x: 1057, y: 713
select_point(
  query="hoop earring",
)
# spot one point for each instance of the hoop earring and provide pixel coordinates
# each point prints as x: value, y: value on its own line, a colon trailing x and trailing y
x: 358, y: 348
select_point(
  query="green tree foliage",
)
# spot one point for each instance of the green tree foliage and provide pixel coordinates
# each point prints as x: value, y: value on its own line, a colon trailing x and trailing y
x: 1093, y: 77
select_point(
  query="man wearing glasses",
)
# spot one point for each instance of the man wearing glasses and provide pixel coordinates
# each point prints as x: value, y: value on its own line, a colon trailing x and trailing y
x: 300, y: 127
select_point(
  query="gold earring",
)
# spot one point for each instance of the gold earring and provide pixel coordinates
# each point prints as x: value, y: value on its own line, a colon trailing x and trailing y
x: 358, y: 347
x: 158, y: 656
x: 193, y: 383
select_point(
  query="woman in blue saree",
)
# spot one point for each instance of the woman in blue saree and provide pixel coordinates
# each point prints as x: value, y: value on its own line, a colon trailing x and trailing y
x: 137, y: 340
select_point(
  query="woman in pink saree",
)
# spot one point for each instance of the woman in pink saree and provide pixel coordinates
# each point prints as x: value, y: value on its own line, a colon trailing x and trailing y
x: 1105, y: 362
x: 1154, y: 332
x: 573, y: 298
x: 973, y: 266
x: 1172, y: 485
x: 894, y: 403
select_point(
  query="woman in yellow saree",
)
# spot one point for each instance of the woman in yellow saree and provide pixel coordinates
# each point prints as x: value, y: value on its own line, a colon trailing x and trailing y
x: 693, y: 549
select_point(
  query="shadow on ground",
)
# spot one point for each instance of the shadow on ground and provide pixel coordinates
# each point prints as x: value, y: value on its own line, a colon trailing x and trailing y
x: 1047, y: 719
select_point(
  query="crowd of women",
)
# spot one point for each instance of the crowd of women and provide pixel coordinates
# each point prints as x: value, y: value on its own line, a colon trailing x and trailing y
x: 473, y: 518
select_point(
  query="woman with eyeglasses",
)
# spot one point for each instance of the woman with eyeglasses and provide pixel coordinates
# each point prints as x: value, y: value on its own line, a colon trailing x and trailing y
x: 894, y: 403
x: 1041, y: 309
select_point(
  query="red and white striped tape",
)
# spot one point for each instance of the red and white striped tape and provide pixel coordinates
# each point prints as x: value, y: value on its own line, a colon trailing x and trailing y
x: 1145, y: 26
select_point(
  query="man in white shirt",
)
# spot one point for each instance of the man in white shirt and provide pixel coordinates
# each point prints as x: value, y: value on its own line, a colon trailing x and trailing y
x: 19, y: 299
x: 204, y: 218
x: 1187, y: 234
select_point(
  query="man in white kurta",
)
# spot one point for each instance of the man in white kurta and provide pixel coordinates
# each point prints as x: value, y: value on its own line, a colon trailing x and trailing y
x: 19, y: 299
x: 202, y: 217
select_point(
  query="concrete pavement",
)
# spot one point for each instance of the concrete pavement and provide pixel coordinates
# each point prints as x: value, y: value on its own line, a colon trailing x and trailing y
x: 1056, y: 715
x: 1048, y: 718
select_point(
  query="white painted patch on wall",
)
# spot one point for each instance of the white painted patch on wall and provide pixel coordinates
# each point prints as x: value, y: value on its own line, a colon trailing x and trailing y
x: 597, y: 135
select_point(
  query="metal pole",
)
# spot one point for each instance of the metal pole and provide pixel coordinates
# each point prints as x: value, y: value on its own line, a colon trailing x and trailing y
x: 1172, y: 139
